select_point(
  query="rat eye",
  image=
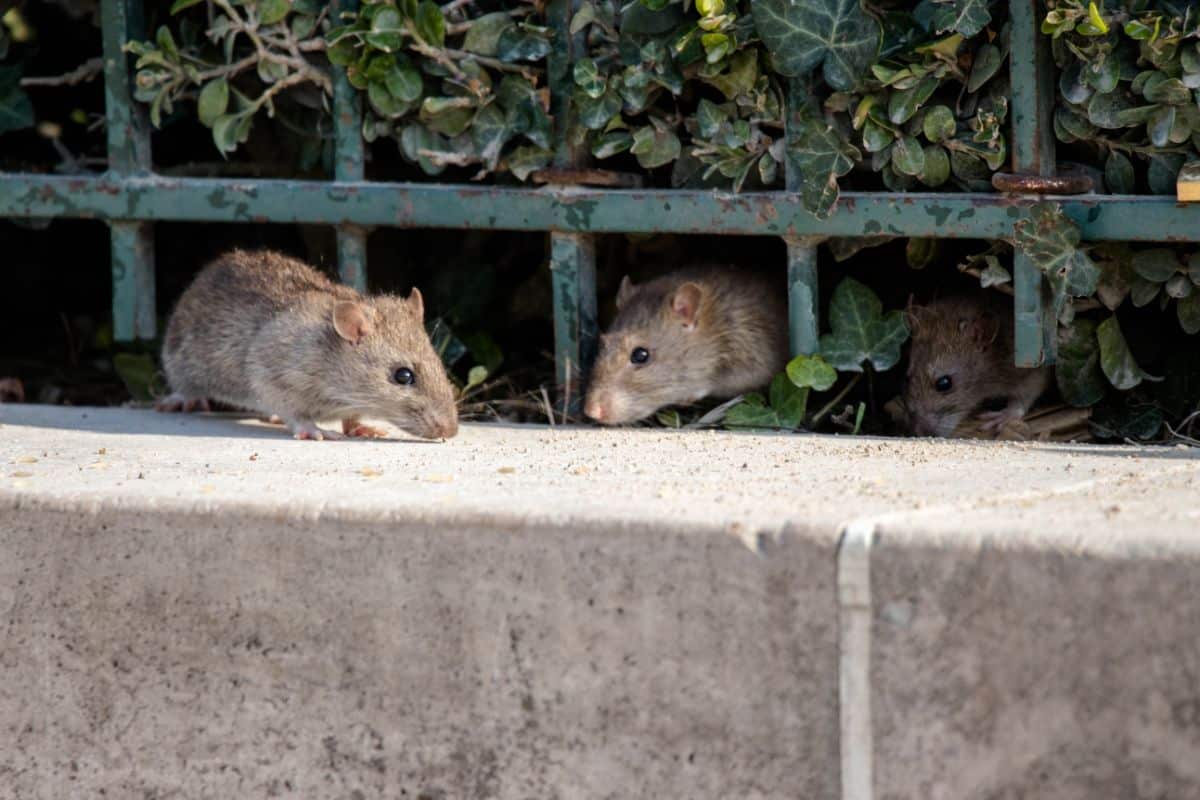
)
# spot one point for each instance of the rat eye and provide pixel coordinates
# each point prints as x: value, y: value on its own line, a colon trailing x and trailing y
x: 404, y: 376
x: 640, y: 355
x: 943, y: 384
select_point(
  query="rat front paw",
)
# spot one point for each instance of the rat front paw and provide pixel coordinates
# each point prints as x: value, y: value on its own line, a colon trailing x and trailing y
x: 310, y: 431
x: 179, y: 402
x: 996, y: 421
x: 356, y: 429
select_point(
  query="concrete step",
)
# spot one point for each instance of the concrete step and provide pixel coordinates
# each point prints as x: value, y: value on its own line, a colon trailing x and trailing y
x: 198, y: 606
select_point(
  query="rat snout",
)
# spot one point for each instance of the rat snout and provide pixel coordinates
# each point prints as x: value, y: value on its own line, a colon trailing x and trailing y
x: 442, y: 426
x: 594, y: 408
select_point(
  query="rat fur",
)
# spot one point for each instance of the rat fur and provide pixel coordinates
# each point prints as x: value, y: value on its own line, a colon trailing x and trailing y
x: 267, y: 333
x: 708, y: 332
x: 966, y: 343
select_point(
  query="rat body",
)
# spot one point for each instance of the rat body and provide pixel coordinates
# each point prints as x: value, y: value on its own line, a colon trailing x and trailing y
x: 961, y: 366
x: 267, y: 333
x: 694, y: 333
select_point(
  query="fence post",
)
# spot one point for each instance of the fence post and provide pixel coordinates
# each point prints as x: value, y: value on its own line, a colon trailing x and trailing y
x: 572, y: 255
x: 348, y: 168
x: 803, y: 313
x: 1031, y: 72
x: 132, y: 243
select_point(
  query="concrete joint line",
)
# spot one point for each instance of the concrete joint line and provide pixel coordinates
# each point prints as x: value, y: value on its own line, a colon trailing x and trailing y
x: 854, y: 654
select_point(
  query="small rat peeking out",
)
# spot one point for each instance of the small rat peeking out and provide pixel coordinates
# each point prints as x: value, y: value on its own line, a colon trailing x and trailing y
x: 267, y: 333
x: 960, y: 368
x: 699, y: 332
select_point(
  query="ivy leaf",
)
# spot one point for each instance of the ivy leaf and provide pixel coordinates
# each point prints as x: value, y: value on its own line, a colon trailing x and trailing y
x: 837, y: 35
x: 415, y: 138
x: 213, y: 100
x: 16, y: 110
x: 967, y: 17
x: 1078, y: 368
x: 595, y: 113
x: 1125, y: 419
x: 861, y: 331
x: 490, y: 132
x: 811, y: 372
x: 789, y: 401
x: 524, y: 161
x: 752, y: 412
x: 820, y: 156
x: 523, y: 43
x: 654, y: 147
x: 1051, y: 240
x: 1117, y: 362
x: 483, y: 36
x: 589, y: 78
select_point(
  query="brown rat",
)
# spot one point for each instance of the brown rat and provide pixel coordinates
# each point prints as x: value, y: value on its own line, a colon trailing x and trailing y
x: 960, y: 367
x: 267, y: 333
x: 694, y: 333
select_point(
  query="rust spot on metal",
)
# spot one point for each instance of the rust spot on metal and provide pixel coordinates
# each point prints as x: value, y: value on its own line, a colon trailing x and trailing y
x: 1076, y: 183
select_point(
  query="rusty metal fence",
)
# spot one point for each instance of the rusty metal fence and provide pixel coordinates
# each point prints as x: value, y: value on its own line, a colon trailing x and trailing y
x: 130, y: 197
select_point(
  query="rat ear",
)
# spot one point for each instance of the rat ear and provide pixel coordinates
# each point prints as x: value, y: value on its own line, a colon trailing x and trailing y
x: 351, y: 322
x: 912, y: 315
x: 982, y: 330
x: 624, y: 291
x: 417, y: 303
x: 685, y: 302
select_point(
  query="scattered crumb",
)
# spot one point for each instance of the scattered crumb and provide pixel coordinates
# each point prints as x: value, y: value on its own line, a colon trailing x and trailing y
x: 102, y: 451
x: 22, y: 475
x: 507, y: 470
x: 439, y: 478
x: 26, y: 460
x: 367, y: 472
x: 254, y: 456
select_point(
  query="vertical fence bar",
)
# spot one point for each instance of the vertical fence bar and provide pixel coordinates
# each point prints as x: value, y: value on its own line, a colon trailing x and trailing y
x: 572, y: 255
x: 803, y: 319
x: 1031, y: 71
x: 132, y: 243
x: 348, y: 168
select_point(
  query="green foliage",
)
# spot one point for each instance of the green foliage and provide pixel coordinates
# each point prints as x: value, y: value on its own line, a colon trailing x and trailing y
x: 786, y: 406
x: 451, y: 95
x: 1051, y: 241
x: 836, y: 35
x: 861, y: 332
x: 1129, y: 69
x: 249, y: 57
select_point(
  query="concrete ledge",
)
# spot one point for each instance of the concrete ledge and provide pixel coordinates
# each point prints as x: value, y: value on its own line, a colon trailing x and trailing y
x: 202, y: 607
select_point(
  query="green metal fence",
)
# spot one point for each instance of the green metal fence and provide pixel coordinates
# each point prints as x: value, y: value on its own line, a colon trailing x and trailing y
x: 130, y: 198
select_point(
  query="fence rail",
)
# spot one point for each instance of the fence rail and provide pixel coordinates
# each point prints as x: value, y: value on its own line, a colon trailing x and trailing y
x: 130, y: 197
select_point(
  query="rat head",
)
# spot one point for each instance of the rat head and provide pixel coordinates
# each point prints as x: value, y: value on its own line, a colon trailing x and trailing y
x: 948, y: 366
x: 387, y: 367
x: 658, y: 352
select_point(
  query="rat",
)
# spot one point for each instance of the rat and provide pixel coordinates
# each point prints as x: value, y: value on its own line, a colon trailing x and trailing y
x: 961, y: 367
x: 699, y: 332
x: 267, y: 333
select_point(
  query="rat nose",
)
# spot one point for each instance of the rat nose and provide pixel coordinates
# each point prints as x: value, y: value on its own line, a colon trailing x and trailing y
x: 446, y: 428
x: 594, y: 409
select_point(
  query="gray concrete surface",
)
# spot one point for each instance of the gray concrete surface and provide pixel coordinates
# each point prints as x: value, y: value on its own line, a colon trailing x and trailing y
x: 203, y: 607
